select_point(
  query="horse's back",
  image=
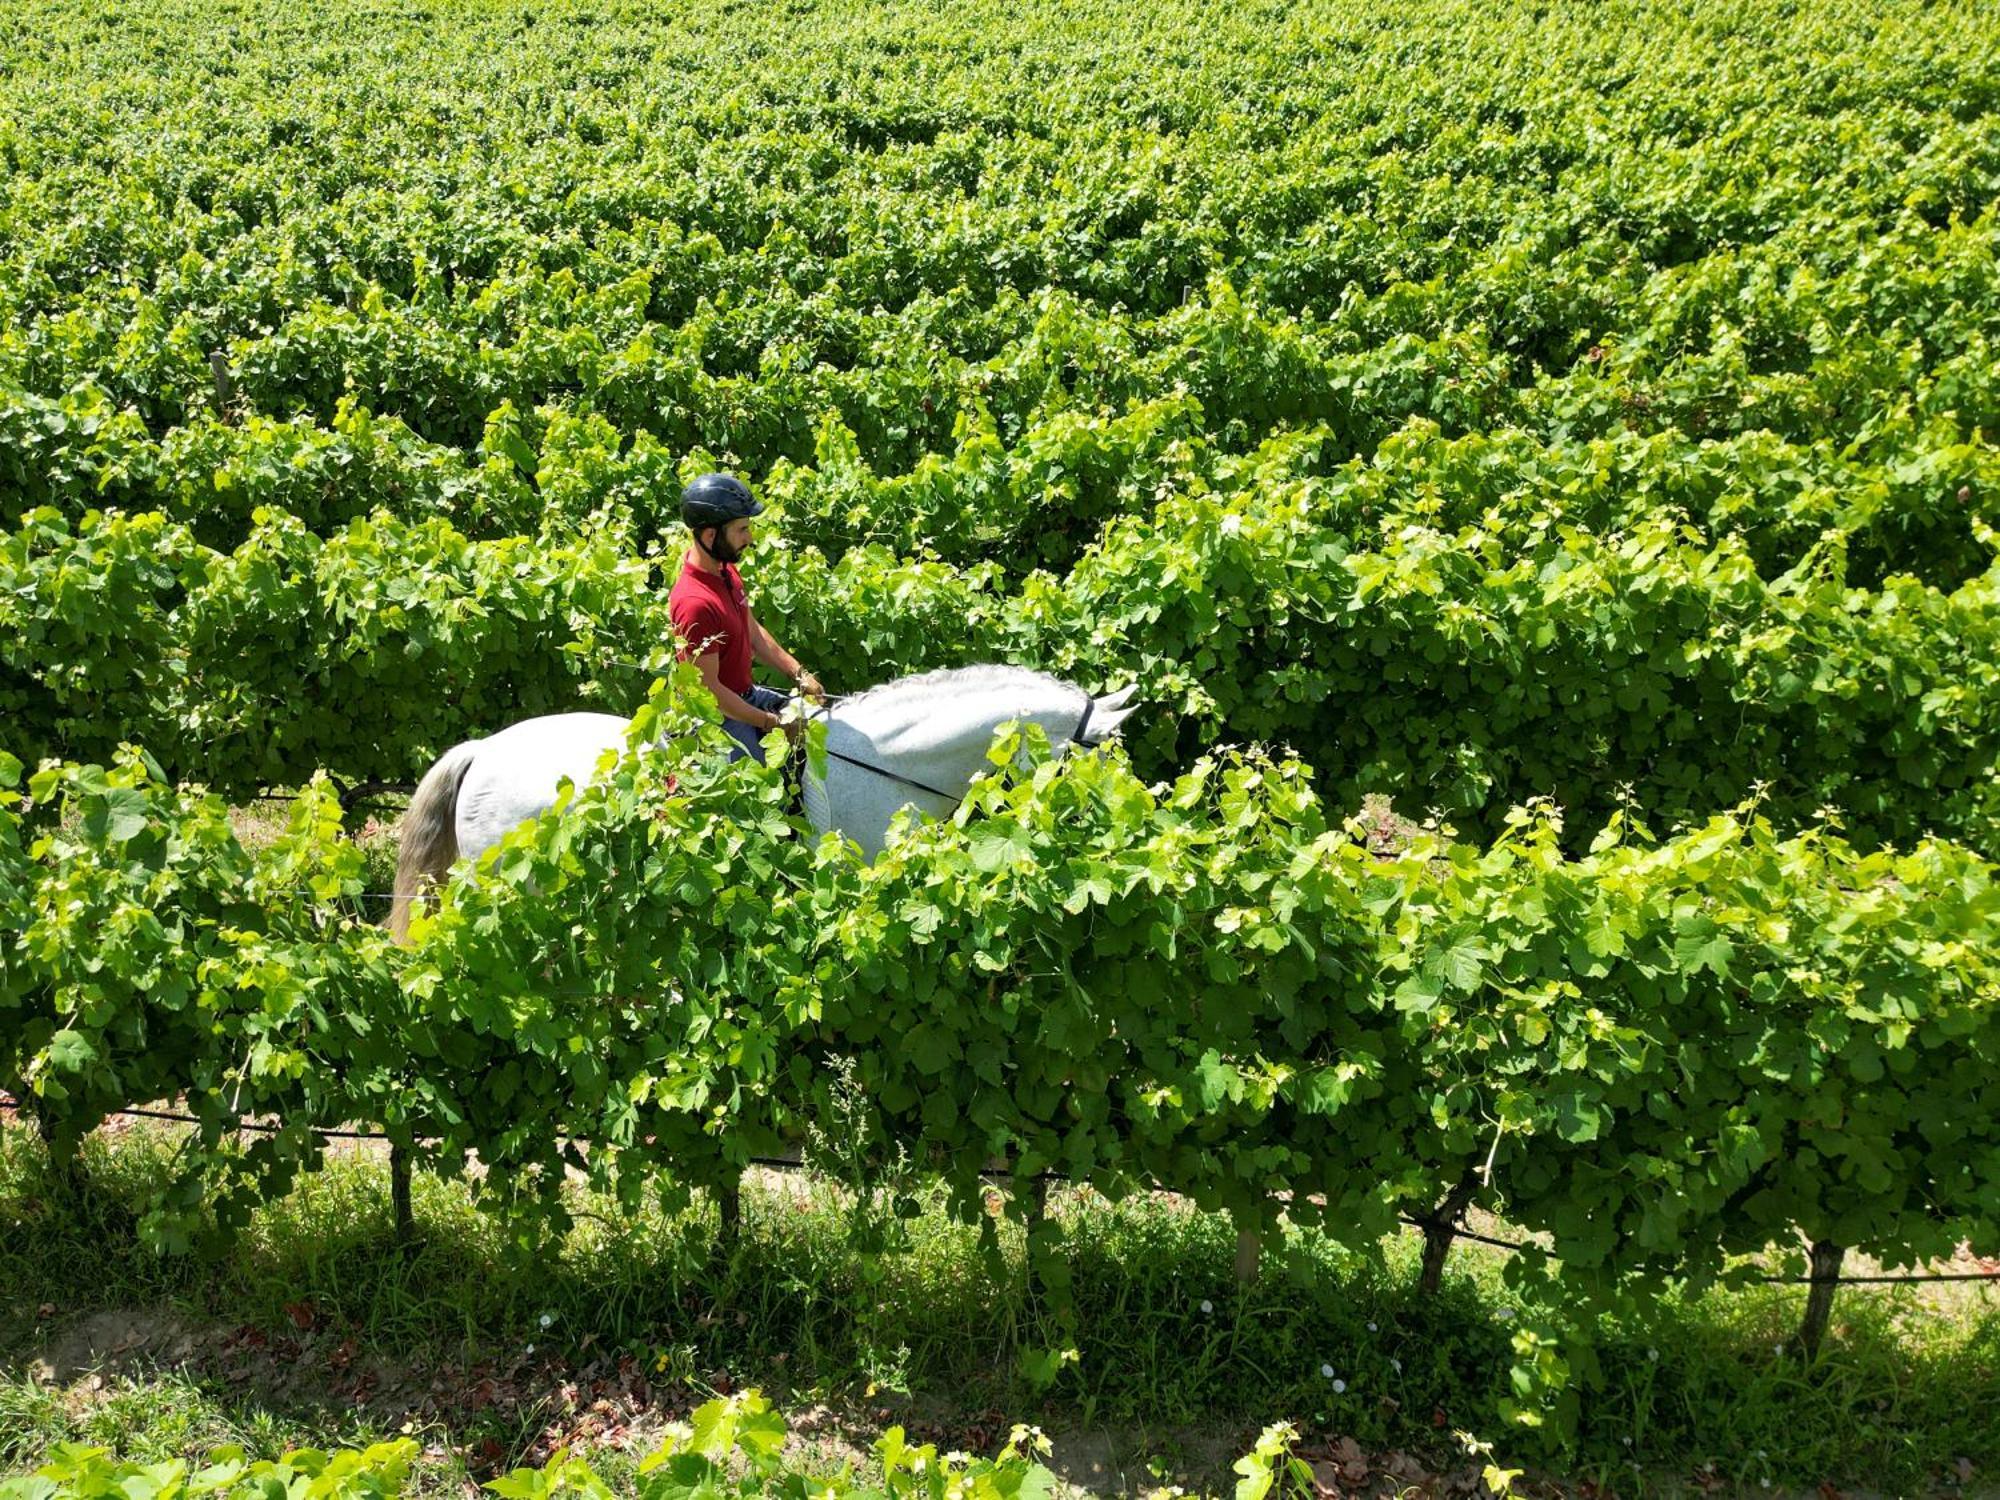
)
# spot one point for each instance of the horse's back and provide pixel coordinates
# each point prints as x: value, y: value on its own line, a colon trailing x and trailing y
x: 515, y: 774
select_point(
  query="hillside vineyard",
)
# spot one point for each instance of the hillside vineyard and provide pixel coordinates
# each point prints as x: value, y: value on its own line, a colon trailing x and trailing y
x: 1573, y: 422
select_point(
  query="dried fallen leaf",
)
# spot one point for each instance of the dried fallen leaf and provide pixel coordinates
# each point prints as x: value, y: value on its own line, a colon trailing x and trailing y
x: 1406, y: 1469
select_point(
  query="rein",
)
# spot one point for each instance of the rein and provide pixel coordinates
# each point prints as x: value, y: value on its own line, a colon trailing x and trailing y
x: 1075, y: 738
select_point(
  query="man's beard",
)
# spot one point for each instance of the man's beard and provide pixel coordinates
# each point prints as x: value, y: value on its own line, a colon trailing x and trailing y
x: 722, y: 553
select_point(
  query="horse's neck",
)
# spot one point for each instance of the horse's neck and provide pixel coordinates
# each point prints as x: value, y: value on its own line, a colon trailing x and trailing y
x: 946, y: 729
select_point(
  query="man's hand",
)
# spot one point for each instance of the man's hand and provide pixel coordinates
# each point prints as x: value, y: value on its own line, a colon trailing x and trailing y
x: 809, y: 685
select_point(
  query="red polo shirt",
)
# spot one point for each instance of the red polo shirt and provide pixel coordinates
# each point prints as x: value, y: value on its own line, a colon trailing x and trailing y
x: 710, y: 612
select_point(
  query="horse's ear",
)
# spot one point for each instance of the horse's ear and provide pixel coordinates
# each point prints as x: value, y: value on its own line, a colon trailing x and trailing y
x: 1108, y: 712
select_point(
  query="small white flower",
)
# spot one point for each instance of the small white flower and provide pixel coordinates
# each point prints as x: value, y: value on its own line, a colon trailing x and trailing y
x: 1652, y: 1354
x: 531, y: 1348
x: 1327, y: 1371
x: 1504, y: 1314
x: 1765, y: 1483
x: 1396, y: 1364
x: 1340, y: 1388
x: 1779, y: 1350
x: 1628, y: 1441
x: 1371, y: 1327
x: 1207, y: 1306
x: 548, y: 1318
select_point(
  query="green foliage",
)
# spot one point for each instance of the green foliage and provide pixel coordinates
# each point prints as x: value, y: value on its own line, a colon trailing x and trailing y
x: 1487, y: 406
x: 350, y: 653
x: 1272, y: 1462
x: 1580, y: 431
x: 1659, y: 1054
x: 74, y: 1471
x: 729, y: 1446
x: 1464, y: 665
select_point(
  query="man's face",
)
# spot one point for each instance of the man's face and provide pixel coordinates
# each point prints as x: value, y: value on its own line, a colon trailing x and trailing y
x: 729, y: 542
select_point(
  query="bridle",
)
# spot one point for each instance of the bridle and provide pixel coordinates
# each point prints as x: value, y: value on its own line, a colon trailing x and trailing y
x: 1075, y: 738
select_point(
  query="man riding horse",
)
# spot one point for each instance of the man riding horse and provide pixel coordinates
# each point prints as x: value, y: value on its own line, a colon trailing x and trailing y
x: 917, y: 741
x: 712, y: 616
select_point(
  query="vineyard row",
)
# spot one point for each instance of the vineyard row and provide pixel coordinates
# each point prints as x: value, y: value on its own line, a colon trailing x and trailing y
x: 1661, y: 1053
x: 1463, y: 655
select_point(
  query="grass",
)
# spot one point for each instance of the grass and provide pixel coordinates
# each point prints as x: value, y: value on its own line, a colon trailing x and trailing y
x: 317, y: 1329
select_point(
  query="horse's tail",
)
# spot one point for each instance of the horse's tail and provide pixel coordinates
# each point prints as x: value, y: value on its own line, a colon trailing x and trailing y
x: 429, y: 841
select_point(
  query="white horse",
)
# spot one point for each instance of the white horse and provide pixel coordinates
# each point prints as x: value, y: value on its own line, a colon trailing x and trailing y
x: 919, y: 741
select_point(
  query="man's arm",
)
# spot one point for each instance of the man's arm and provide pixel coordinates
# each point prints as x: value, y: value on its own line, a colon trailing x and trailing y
x: 765, y: 648
x: 710, y: 666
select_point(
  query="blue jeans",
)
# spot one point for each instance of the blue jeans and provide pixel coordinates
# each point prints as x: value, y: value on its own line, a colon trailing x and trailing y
x: 746, y: 735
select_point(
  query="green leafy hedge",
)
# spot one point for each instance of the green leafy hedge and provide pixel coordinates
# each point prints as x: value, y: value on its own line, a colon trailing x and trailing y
x: 1464, y: 663
x: 1660, y: 1052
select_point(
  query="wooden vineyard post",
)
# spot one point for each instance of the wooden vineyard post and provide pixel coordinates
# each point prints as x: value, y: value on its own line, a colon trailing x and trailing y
x: 1826, y: 1259
x: 729, y: 1207
x: 66, y: 1167
x: 1249, y: 1248
x: 399, y: 1195
x: 1044, y: 1264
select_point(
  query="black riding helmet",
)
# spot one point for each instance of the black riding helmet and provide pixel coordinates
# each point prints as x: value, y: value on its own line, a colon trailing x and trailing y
x: 716, y: 500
